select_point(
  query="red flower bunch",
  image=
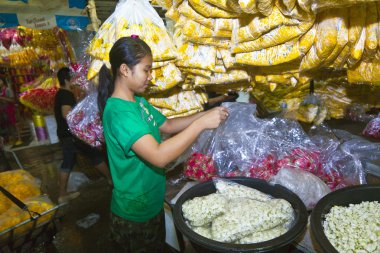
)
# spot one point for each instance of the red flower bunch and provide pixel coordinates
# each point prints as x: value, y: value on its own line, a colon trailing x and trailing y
x: 309, y: 160
x: 40, y: 100
x: 265, y: 168
x: 200, y: 167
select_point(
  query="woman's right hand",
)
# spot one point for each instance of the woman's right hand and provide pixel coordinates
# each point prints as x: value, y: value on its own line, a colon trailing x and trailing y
x: 213, y: 118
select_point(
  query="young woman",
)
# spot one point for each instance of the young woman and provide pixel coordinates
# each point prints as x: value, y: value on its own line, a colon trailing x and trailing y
x: 136, y: 154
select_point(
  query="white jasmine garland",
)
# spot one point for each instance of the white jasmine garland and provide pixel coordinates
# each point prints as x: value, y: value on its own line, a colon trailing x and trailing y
x: 233, y: 190
x: 246, y: 216
x: 354, y: 229
x: 202, y: 210
x: 204, y: 231
x: 263, y: 236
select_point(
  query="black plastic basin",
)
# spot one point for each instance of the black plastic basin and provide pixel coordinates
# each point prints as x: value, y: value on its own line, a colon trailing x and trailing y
x: 341, y: 197
x: 202, y: 244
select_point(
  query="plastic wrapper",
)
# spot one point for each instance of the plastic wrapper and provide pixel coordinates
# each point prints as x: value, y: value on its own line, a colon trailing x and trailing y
x: 85, y: 123
x: 196, y: 56
x: 305, y: 5
x: 365, y: 72
x: 357, y: 18
x: 166, y: 77
x: 248, y: 6
x: 260, y: 25
x: 373, y: 128
x: 341, y: 156
x: 265, y: 7
x: 133, y: 17
x: 277, y: 36
x: 272, y: 56
x: 342, y: 37
x: 231, y: 76
x: 357, y: 113
x: 371, y: 27
x: 211, y: 11
x: 227, y: 5
x: 175, y: 102
x: 308, y: 187
x: 321, y: 5
x: 193, y: 55
x: 186, y: 10
x: 239, y: 148
x: 327, y: 28
x: 357, y: 50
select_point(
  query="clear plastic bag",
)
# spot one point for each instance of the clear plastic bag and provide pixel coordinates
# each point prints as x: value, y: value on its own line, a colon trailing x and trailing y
x: 85, y: 123
x: 133, y: 17
x: 76, y: 180
x: 245, y: 145
x: 308, y: 187
x: 373, y: 128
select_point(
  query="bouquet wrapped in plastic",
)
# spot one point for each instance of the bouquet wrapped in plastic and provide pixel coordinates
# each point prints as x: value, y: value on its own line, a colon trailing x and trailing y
x: 85, y: 123
x: 41, y: 98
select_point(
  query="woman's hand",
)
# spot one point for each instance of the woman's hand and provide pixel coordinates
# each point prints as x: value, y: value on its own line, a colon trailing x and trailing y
x: 213, y: 118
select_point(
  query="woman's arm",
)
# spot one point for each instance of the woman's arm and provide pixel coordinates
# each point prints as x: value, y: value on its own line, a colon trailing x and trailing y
x: 160, y: 154
x: 173, y: 126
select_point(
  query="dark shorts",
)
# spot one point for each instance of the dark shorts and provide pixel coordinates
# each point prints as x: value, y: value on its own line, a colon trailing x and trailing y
x: 70, y: 147
x: 139, y: 237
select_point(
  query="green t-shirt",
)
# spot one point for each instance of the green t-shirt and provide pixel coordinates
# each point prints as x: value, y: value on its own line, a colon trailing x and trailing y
x: 139, y: 187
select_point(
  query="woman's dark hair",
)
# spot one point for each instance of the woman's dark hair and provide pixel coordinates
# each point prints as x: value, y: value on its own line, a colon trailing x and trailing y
x: 62, y: 75
x: 127, y: 50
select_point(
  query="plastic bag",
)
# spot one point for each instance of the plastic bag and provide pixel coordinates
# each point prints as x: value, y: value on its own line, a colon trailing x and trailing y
x: 356, y: 112
x: 341, y: 157
x: 245, y: 145
x: 76, y: 180
x: 133, y: 17
x: 308, y: 187
x: 85, y: 123
x: 211, y: 11
x: 373, y: 128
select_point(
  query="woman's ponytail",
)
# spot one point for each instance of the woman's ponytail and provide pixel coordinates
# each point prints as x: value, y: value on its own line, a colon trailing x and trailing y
x: 106, y: 87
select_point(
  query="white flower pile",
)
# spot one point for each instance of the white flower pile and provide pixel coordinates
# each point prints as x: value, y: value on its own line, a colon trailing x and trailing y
x: 354, y: 229
x: 202, y: 210
x: 238, y: 214
x: 265, y: 235
x: 246, y: 216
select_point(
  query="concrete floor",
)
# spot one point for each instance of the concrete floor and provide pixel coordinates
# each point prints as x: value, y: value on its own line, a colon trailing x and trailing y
x: 94, y: 198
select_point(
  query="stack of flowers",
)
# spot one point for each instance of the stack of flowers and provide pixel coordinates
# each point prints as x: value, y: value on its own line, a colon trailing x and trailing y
x: 200, y: 167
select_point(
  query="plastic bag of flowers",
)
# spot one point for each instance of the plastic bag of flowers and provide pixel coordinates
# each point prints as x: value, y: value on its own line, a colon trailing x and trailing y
x: 85, y: 123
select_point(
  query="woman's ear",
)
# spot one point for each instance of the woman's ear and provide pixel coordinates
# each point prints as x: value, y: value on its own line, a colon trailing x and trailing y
x: 124, y: 70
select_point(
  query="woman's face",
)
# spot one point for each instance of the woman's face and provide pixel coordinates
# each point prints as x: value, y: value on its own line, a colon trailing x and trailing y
x: 138, y: 78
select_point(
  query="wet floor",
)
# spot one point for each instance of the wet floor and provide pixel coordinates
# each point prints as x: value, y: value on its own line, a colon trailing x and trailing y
x: 42, y: 162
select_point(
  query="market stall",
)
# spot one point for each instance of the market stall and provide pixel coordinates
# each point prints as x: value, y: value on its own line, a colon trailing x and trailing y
x: 302, y: 62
